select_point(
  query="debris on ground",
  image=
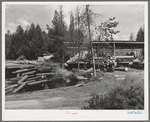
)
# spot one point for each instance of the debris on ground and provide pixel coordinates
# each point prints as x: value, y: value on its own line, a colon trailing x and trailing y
x: 122, y: 68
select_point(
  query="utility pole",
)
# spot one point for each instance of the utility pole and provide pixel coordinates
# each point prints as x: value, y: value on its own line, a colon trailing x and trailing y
x: 89, y: 30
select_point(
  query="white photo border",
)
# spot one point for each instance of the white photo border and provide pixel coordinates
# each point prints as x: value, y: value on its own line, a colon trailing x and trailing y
x: 86, y: 115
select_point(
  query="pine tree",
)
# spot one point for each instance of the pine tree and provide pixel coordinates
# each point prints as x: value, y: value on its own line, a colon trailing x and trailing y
x: 31, y: 31
x: 140, y: 38
x: 131, y: 37
x: 59, y: 36
x: 56, y: 24
x: 13, y: 48
x: 140, y: 35
x: 71, y: 27
x: 7, y: 43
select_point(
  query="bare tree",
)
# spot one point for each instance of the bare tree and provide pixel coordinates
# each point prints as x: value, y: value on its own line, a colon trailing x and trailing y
x: 89, y: 30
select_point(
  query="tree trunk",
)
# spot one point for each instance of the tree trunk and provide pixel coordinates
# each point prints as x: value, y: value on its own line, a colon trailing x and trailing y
x: 88, y: 21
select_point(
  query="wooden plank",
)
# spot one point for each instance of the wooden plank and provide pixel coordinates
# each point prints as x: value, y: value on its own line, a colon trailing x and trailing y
x: 20, y: 87
x: 22, y: 79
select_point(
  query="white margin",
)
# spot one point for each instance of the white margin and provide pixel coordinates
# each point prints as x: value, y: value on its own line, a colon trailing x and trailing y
x: 25, y: 115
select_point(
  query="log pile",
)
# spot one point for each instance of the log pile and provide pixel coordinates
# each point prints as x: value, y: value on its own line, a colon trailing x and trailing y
x: 26, y: 79
x: 32, y: 79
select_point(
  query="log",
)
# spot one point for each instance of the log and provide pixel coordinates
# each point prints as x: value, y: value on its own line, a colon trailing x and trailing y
x: 41, y: 74
x: 34, y: 78
x: 18, y: 78
x: 81, y: 78
x: 15, y: 85
x: 22, y: 79
x: 29, y: 73
x: 10, y: 90
x: 18, y: 74
x: 24, y: 70
x: 122, y: 69
x: 10, y: 82
x: 29, y: 81
x: 37, y: 82
x: 20, y: 87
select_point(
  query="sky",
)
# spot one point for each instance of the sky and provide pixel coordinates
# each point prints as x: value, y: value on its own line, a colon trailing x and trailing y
x: 130, y: 17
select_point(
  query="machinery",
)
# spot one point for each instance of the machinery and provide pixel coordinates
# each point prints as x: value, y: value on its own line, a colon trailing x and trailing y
x: 108, y: 65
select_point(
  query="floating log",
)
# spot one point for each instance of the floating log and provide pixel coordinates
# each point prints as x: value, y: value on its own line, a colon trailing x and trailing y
x: 37, y: 82
x: 19, y: 88
x: 24, y: 70
x: 22, y: 79
x: 15, y: 85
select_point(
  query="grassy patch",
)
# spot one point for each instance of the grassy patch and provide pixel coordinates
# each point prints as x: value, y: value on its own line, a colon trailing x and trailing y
x: 125, y: 94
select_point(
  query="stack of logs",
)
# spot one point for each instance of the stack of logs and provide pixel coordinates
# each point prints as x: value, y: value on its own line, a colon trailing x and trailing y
x: 32, y: 79
x: 26, y: 78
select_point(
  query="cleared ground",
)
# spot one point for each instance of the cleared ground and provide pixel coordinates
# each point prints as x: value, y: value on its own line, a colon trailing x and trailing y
x: 70, y: 97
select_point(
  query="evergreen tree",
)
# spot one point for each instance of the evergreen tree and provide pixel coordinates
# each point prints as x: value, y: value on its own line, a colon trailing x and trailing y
x: 71, y: 27
x: 56, y: 24
x: 140, y: 38
x: 59, y: 31
x: 31, y: 31
x: 131, y: 37
x: 13, y: 48
x: 7, y: 43
x: 140, y: 35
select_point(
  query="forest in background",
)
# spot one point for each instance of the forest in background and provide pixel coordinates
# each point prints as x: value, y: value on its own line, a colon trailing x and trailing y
x: 32, y: 42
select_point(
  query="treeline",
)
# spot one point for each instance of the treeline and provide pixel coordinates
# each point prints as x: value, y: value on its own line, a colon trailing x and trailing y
x: 33, y: 42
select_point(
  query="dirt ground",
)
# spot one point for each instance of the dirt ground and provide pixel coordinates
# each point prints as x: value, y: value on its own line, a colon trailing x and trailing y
x: 68, y: 97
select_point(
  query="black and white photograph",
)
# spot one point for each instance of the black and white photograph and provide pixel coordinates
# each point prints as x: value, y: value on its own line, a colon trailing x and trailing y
x: 75, y: 60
